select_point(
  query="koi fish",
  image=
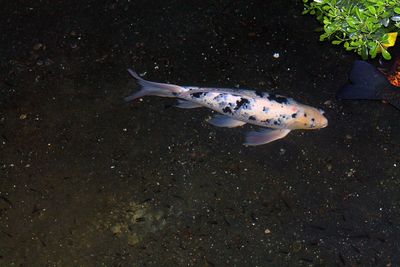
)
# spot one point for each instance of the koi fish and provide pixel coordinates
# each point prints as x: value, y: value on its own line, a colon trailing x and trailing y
x: 393, y: 75
x: 368, y: 83
x: 277, y: 114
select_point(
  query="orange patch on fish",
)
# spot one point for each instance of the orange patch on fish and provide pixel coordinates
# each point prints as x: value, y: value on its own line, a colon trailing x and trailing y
x: 394, y: 78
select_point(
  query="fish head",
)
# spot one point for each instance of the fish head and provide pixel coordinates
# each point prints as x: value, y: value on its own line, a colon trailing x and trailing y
x: 309, y: 118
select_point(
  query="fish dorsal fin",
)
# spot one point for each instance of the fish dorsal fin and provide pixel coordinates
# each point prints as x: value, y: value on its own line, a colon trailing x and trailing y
x: 366, y: 82
x: 364, y: 74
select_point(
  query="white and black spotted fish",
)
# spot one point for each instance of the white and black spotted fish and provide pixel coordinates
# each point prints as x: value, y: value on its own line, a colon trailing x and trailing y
x: 237, y: 107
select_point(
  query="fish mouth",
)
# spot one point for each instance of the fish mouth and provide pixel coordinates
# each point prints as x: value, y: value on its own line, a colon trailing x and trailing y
x: 324, y: 125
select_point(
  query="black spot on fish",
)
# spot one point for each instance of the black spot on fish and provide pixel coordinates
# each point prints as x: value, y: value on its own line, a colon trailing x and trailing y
x: 312, y: 119
x: 252, y: 118
x: 174, y: 93
x: 294, y: 115
x: 259, y: 93
x: 227, y: 110
x: 305, y: 115
x: 265, y: 109
x: 241, y: 102
x: 279, y: 99
x: 198, y: 94
x: 275, y: 122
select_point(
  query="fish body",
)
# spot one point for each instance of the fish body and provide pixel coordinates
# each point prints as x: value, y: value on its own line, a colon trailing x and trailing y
x: 368, y: 83
x: 278, y: 114
x: 393, y: 75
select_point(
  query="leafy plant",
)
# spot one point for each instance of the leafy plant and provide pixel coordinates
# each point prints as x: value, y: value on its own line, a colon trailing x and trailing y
x: 367, y: 27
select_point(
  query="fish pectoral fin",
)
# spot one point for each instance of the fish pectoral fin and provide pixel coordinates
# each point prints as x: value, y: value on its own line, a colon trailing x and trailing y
x: 225, y: 121
x: 256, y: 138
x: 187, y: 104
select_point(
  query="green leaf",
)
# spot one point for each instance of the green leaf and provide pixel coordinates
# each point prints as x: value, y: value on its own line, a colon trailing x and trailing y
x: 372, y: 9
x: 384, y: 39
x: 373, y: 50
x: 351, y: 21
x: 386, y: 55
x: 359, y: 15
x: 360, y: 25
x: 364, y: 53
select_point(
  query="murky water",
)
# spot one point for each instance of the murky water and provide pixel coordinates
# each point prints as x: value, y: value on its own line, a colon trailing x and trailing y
x: 88, y: 180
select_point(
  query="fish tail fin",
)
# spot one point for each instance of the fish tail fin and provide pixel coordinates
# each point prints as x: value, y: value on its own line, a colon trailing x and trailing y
x: 366, y: 82
x: 152, y: 88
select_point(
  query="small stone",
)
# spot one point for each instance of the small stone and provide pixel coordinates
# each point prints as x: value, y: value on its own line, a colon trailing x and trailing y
x: 351, y: 172
x: 116, y: 229
x: 297, y: 246
x: 133, y: 239
x: 329, y: 166
x: 48, y: 62
x: 328, y: 103
x: 23, y: 116
x: 267, y: 231
x: 276, y: 55
x: 37, y: 46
